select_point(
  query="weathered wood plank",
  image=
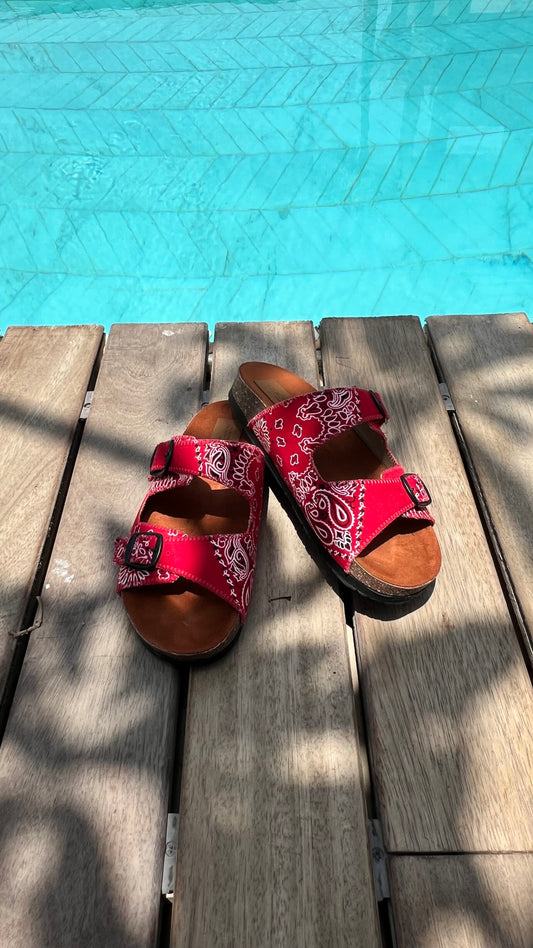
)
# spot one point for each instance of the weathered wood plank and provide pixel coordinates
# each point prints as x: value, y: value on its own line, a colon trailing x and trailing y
x: 273, y: 846
x: 44, y: 373
x: 481, y: 901
x: 488, y: 365
x: 448, y: 697
x: 86, y: 760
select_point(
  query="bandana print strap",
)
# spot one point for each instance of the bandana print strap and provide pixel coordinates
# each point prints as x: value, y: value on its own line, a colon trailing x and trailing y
x: 222, y: 563
x: 293, y: 429
x: 345, y: 515
x: 232, y: 463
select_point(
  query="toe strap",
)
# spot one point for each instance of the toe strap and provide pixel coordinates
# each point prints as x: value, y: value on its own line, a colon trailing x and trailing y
x: 348, y: 515
x: 381, y: 501
x: 222, y: 563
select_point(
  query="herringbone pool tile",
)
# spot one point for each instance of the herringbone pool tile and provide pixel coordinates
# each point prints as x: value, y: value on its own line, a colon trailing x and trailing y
x: 480, y: 170
x: 520, y: 99
x: 510, y: 166
x: 419, y: 175
x: 264, y: 160
x: 492, y: 104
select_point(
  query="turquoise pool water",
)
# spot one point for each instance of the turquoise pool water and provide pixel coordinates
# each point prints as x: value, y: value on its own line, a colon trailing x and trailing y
x: 235, y: 160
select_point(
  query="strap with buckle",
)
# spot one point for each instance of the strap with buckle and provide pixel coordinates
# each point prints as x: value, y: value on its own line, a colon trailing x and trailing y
x: 156, y: 557
x: 416, y: 490
x: 179, y: 455
x: 143, y: 550
x: 162, y: 458
x: 381, y: 501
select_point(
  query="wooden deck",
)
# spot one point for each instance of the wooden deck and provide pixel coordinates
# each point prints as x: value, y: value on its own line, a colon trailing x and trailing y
x: 331, y: 721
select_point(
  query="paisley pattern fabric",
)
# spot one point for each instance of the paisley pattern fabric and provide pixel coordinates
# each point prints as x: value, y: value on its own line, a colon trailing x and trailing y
x: 222, y: 563
x: 345, y: 515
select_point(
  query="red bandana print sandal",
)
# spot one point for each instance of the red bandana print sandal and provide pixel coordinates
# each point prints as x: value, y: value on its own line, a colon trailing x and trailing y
x: 330, y: 462
x: 186, y: 570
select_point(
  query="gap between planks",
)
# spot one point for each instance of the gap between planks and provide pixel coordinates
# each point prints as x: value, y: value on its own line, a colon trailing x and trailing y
x: 91, y: 734
x: 205, y: 910
x: 77, y: 353
x: 440, y: 739
x: 505, y: 573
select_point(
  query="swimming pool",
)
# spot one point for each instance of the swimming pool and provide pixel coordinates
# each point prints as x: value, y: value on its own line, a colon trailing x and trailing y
x: 272, y: 160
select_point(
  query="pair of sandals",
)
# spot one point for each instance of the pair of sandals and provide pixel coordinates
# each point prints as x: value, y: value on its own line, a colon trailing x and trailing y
x: 186, y: 570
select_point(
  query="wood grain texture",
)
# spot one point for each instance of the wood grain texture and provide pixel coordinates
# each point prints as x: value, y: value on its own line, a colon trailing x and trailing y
x: 273, y: 846
x: 86, y: 759
x: 488, y: 365
x: 448, y: 698
x: 463, y: 901
x: 44, y: 373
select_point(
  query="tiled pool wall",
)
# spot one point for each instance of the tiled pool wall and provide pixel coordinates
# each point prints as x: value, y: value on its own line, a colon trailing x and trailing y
x: 278, y: 160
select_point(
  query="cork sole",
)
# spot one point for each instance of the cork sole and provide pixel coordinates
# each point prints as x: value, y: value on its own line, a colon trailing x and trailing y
x: 405, y: 558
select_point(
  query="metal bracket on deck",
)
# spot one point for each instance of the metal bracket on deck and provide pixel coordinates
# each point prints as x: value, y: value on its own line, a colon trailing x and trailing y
x: 379, y: 860
x: 171, y: 855
x: 37, y: 621
x: 86, y: 405
x: 445, y: 392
